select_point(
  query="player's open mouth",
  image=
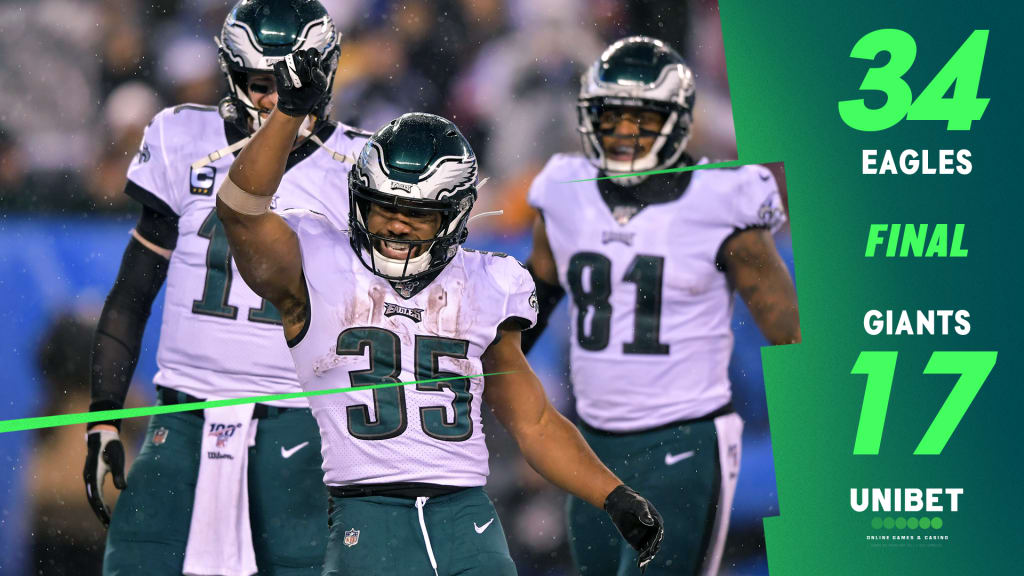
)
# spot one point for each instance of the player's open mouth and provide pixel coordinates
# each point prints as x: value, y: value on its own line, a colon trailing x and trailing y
x: 625, y: 153
x: 396, y: 250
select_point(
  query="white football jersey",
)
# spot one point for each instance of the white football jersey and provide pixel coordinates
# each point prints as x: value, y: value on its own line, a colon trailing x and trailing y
x: 650, y: 308
x: 218, y: 338
x: 362, y: 332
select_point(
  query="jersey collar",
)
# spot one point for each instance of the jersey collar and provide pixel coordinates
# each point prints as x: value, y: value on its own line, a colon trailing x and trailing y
x: 625, y: 202
x: 323, y: 131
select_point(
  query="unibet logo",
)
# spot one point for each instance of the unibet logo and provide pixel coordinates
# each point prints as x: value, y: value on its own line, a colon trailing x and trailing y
x: 905, y: 499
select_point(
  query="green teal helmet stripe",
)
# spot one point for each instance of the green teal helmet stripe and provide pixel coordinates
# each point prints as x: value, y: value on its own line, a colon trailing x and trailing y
x: 277, y: 22
x: 274, y: 29
x: 633, y: 61
x: 412, y: 149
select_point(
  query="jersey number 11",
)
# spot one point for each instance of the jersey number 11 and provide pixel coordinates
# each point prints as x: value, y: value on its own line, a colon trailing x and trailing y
x: 217, y: 286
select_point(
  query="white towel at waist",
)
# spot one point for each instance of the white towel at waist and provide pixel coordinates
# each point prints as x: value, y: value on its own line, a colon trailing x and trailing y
x: 220, y: 538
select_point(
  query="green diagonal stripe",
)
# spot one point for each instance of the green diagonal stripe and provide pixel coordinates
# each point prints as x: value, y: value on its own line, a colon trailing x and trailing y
x: 729, y: 164
x: 20, y: 424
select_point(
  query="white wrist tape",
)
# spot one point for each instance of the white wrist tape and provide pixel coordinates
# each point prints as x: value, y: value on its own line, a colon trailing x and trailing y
x: 241, y: 201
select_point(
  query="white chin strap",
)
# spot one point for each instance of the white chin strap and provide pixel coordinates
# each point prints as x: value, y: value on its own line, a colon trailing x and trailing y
x: 303, y: 133
x: 400, y: 269
x: 648, y: 162
x: 395, y: 268
x: 218, y: 154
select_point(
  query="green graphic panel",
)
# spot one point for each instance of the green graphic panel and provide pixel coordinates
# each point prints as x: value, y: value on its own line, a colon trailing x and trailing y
x: 790, y: 66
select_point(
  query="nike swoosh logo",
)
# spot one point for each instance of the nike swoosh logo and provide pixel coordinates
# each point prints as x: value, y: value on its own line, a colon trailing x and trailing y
x: 480, y: 529
x: 291, y: 451
x: 671, y: 459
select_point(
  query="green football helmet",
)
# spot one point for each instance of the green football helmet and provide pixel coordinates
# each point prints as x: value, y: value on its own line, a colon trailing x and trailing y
x: 417, y: 162
x: 637, y: 73
x: 259, y: 33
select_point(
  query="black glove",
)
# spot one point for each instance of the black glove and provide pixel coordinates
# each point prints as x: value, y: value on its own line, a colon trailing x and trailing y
x: 106, y: 455
x: 637, y: 521
x: 301, y: 83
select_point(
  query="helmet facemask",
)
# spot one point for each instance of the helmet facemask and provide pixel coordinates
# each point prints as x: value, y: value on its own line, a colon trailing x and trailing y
x: 422, y: 165
x: 424, y: 256
x: 644, y: 75
x: 599, y: 129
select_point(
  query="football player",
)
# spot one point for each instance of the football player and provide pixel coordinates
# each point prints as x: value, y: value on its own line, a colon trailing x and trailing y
x: 218, y: 338
x: 651, y: 264
x: 396, y: 304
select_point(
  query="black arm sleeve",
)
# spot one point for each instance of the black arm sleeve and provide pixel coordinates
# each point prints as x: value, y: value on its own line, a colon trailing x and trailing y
x: 548, y: 296
x: 118, y: 338
x: 157, y: 223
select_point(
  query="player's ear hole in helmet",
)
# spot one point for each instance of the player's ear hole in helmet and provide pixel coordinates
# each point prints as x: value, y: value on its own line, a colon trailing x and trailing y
x: 259, y: 33
x: 635, y: 108
x: 417, y: 170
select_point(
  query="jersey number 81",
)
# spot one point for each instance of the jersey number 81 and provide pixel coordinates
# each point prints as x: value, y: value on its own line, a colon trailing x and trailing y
x: 646, y: 272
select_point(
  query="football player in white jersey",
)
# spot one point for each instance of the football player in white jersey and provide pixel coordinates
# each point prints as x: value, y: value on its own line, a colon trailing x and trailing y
x: 651, y: 264
x: 396, y: 304
x: 218, y: 492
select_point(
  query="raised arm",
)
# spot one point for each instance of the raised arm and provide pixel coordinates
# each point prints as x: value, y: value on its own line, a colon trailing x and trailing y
x: 541, y: 265
x: 556, y: 450
x: 264, y: 247
x: 757, y: 272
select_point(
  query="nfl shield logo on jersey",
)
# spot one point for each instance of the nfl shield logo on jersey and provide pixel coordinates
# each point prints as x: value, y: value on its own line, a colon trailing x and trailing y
x: 159, y: 436
x: 351, y: 537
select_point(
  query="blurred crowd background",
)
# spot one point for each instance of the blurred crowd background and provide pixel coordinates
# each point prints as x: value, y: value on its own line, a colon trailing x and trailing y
x: 82, y: 78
